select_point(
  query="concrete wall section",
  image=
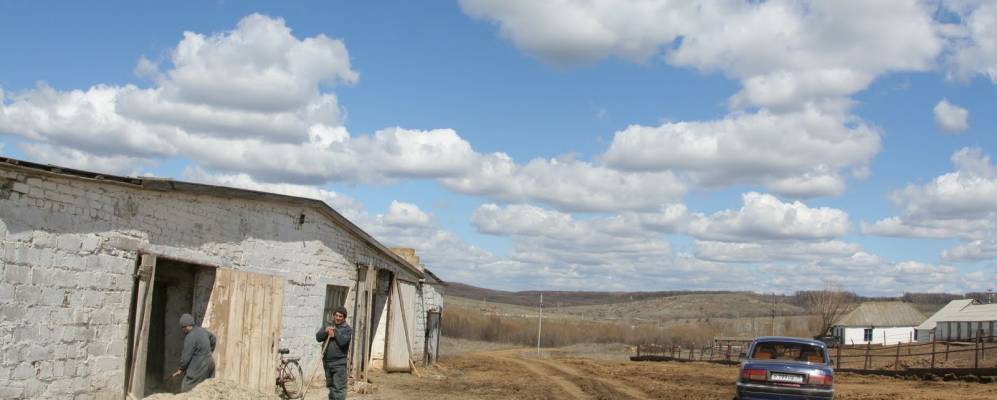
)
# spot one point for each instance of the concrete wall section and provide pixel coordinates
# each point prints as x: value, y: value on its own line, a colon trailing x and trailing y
x: 68, y: 249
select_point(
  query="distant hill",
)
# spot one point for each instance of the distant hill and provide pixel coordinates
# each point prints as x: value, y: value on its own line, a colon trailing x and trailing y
x: 531, y: 298
x: 715, y: 303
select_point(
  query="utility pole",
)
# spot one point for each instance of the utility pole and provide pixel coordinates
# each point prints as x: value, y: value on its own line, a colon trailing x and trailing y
x: 540, y: 323
x: 773, y: 322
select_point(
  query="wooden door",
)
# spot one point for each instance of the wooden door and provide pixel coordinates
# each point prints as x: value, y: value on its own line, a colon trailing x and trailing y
x: 140, y: 337
x: 398, y: 349
x: 245, y: 313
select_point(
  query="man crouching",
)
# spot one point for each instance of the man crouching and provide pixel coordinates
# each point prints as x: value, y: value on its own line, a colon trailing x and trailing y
x: 334, y: 359
x: 196, y: 363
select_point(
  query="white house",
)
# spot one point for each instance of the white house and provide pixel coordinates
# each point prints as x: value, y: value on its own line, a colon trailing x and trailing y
x: 965, y: 320
x: 926, y: 331
x: 885, y: 323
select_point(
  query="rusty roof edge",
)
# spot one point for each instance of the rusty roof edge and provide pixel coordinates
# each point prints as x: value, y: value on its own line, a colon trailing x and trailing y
x: 166, y: 184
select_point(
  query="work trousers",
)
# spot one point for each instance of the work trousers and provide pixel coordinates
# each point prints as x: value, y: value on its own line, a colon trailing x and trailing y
x: 335, y: 379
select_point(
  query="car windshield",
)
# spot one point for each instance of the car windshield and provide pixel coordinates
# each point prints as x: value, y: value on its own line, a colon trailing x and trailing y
x: 788, y: 351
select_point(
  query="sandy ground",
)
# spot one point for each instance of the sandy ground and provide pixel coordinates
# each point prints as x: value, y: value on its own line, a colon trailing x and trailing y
x: 471, y: 370
x: 519, y: 374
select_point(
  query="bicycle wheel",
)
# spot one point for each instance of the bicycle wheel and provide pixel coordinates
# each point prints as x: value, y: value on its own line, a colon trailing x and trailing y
x: 294, y: 381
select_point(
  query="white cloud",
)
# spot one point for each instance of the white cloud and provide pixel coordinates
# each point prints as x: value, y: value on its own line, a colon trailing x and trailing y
x: 865, y: 274
x: 956, y: 205
x: 84, y: 120
x: 566, y: 32
x: 254, y: 100
x: 975, y: 44
x: 69, y: 157
x: 967, y: 193
x: 258, y: 66
x: 977, y: 250
x: 405, y: 214
x: 567, y: 184
x: 950, y: 117
x: 773, y: 251
x: 614, y: 248
x: 345, y: 205
x: 783, y: 52
x: 764, y: 217
x: 938, y: 228
x: 613, y: 232
x: 797, y: 154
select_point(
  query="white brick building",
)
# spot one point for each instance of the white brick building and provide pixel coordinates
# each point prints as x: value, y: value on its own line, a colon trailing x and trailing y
x: 96, y: 270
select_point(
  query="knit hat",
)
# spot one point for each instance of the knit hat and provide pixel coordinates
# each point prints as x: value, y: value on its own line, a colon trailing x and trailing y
x: 341, y: 310
x: 186, y: 320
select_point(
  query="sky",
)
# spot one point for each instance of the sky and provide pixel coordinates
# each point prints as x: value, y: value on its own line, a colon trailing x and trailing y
x: 770, y: 146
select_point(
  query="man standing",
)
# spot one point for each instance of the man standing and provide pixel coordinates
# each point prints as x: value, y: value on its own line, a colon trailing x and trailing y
x: 196, y: 363
x: 338, y: 337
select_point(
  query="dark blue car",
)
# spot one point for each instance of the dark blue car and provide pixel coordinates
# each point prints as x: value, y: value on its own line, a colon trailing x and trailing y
x: 784, y: 368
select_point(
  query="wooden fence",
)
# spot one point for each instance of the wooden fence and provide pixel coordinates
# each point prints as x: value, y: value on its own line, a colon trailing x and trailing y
x: 722, y: 351
x: 979, y: 353
x: 976, y: 357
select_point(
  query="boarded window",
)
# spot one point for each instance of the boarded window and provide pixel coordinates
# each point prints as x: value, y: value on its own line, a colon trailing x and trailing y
x: 335, y: 296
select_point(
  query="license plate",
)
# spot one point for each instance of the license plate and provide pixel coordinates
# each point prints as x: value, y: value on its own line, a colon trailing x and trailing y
x: 777, y: 377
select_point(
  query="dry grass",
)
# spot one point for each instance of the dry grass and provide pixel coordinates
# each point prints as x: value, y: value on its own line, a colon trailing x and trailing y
x: 474, y: 325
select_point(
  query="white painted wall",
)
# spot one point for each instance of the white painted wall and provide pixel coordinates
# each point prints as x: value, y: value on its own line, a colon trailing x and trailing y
x: 950, y: 330
x: 887, y: 336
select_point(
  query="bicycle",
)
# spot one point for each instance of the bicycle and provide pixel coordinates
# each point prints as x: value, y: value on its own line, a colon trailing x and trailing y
x: 290, y: 379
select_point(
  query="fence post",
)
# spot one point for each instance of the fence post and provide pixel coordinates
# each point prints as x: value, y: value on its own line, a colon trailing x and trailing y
x: 838, y: 364
x: 868, y: 360
x: 976, y: 350
x: 896, y: 363
x: 933, y: 351
x: 638, y: 350
x: 946, y: 351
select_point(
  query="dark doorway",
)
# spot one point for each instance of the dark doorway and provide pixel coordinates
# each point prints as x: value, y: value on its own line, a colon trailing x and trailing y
x: 178, y: 288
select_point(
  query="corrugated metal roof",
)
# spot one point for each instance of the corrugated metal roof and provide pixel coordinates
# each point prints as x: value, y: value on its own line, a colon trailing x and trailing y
x: 950, y: 309
x: 883, y: 313
x: 975, y: 312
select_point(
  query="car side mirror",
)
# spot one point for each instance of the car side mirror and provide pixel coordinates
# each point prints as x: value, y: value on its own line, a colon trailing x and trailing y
x: 742, y: 355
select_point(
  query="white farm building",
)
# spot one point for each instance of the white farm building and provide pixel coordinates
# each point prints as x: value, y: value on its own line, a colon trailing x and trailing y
x: 960, y: 320
x: 879, y: 322
x: 97, y: 270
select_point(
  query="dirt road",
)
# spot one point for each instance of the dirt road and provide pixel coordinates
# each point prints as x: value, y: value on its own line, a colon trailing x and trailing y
x: 518, y: 374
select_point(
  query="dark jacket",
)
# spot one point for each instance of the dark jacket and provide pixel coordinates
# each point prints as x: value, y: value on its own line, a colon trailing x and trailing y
x: 196, y: 360
x: 339, y: 346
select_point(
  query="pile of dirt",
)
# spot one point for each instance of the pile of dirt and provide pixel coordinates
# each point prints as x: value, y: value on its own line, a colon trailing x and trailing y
x: 216, y: 389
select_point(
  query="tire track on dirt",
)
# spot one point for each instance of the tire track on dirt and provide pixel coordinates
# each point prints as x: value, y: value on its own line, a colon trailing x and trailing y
x: 613, y: 385
x: 577, y: 385
x: 573, y: 391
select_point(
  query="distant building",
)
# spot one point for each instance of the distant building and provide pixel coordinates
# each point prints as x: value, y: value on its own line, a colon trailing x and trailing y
x: 926, y: 331
x: 879, y: 322
x: 960, y: 320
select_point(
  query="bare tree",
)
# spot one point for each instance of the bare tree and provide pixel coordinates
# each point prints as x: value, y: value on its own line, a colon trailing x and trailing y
x: 828, y: 304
